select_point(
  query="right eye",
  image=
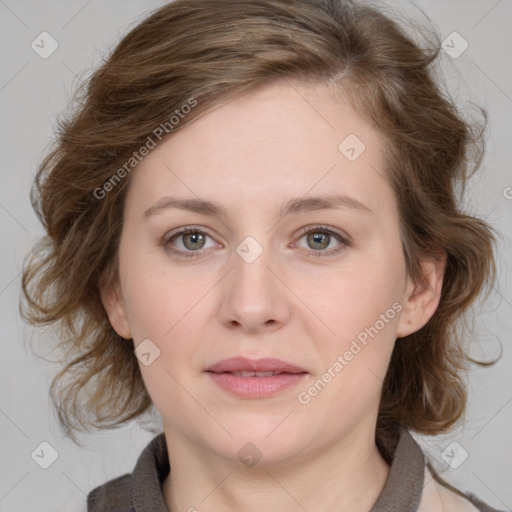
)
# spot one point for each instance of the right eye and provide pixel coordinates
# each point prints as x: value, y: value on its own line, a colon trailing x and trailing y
x: 192, y: 240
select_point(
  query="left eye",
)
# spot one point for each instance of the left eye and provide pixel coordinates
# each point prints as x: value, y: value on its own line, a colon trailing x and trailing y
x: 320, y: 237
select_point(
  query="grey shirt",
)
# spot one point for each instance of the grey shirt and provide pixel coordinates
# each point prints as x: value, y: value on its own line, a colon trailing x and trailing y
x: 141, y: 491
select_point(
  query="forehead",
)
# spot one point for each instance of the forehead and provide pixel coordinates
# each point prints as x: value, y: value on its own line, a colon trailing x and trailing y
x: 275, y: 142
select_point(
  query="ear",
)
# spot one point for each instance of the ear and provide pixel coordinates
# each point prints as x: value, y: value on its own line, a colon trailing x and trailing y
x: 422, y: 298
x: 113, y: 303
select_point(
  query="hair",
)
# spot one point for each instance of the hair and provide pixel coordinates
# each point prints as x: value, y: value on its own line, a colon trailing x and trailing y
x: 206, y: 53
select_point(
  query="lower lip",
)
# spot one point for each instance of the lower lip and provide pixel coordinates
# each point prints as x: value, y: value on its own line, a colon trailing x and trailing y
x: 256, y: 387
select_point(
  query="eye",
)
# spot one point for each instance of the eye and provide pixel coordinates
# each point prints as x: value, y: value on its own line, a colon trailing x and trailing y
x: 192, y: 240
x: 320, y: 237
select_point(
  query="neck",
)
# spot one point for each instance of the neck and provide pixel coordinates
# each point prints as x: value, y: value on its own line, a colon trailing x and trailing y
x: 347, y: 476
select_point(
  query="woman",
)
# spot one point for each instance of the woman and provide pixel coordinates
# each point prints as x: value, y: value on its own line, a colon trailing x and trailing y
x: 254, y: 227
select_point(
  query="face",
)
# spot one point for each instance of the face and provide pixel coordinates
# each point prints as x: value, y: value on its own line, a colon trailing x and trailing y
x: 272, y: 273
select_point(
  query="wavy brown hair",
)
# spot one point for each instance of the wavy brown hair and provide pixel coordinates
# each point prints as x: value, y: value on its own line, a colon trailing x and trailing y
x: 211, y: 52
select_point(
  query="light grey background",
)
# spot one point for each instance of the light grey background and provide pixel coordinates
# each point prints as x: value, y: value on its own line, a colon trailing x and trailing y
x: 34, y: 90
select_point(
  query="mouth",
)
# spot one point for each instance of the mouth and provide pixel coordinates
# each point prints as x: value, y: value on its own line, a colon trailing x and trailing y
x: 259, y: 367
x: 245, y: 373
x: 259, y: 378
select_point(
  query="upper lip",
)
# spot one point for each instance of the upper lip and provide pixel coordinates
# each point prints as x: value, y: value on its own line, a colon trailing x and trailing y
x: 267, y: 364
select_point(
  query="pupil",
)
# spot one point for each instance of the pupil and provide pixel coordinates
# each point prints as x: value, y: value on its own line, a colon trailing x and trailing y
x: 194, y: 236
x: 317, y: 238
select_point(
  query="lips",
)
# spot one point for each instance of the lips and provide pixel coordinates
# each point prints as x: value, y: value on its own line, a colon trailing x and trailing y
x: 255, y: 378
x: 265, y: 367
x: 244, y: 373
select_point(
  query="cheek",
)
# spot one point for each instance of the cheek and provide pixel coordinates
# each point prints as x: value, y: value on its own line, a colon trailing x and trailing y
x: 158, y: 300
x: 355, y: 362
x: 166, y: 309
x: 149, y: 312
x: 362, y: 310
x: 355, y: 298
x: 169, y: 316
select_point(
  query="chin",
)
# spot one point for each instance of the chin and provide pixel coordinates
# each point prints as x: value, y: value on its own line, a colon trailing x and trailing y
x: 264, y: 440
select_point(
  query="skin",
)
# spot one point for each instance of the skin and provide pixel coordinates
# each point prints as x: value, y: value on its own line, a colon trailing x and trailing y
x: 253, y: 154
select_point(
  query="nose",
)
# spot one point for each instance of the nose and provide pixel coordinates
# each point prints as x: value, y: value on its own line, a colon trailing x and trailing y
x: 255, y: 297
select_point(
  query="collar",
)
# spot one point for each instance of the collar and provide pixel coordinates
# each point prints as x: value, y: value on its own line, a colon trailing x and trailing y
x: 403, y: 488
x: 142, y: 490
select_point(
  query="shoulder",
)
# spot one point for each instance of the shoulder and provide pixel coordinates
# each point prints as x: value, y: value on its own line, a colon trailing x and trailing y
x: 114, y: 495
x: 439, y: 495
x: 138, y: 490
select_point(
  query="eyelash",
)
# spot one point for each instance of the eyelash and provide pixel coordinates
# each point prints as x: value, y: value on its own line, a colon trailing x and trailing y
x: 304, y: 231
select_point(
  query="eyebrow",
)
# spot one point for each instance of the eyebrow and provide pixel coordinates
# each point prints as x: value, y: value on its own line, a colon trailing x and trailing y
x: 292, y: 207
